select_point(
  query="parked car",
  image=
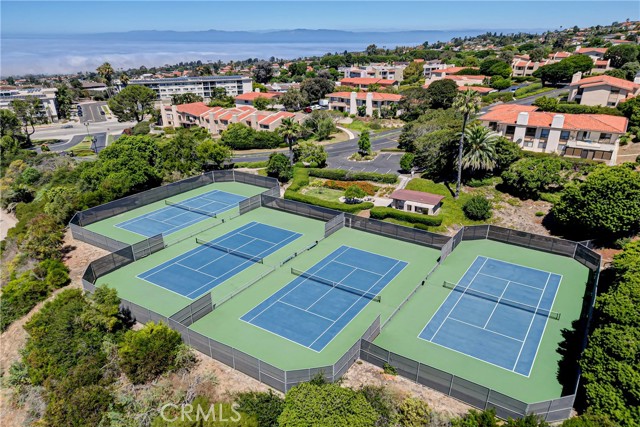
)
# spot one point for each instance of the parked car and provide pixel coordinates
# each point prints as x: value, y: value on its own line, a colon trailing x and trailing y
x: 67, y: 126
x: 102, y: 112
x: 307, y: 109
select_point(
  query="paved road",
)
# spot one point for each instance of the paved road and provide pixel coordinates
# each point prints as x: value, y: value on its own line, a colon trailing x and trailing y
x: 530, y: 99
x: 56, y: 131
x: 339, y: 152
x: 91, y: 112
x: 101, y: 143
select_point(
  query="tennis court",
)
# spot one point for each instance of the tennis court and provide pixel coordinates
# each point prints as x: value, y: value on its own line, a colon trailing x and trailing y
x: 314, y: 307
x: 497, y: 313
x: 176, y: 216
x: 213, y: 262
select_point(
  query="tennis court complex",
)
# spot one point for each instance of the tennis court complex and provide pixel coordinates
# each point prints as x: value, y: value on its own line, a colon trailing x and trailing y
x: 314, y: 307
x: 497, y: 313
x: 178, y: 215
x: 213, y: 262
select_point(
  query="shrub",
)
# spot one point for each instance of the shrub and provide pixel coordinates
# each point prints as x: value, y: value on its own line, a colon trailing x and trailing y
x: 382, y: 213
x: 251, y: 165
x: 264, y: 407
x: 149, y: 352
x: 539, y: 213
x: 351, y: 208
x: 279, y: 167
x: 344, y: 175
x: 389, y: 369
x: 477, y: 208
x: 406, y: 161
x: 300, y: 179
x: 353, y: 194
x: 475, y: 183
x: 368, y: 188
x: 141, y: 128
x: 169, y: 130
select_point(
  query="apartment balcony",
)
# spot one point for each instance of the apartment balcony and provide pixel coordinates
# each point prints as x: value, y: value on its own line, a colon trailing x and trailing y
x: 600, y: 145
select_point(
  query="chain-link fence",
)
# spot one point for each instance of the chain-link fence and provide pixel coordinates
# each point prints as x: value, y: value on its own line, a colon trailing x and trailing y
x: 333, y: 225
x: 387, y: 229
x: 247, y: 205
x: 93, y: 238
x: 299, y: 208
x: 194, y: 311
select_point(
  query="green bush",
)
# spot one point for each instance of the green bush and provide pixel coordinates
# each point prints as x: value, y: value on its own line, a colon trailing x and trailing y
x: 169, y: 130
x: 300, y: 179
x: 539, y: 213
x: 477, y: 208
x: 389, y: 369
x: 344, y: 175
x: 265, y: 407
x: 141, y: 128
x: 353, y: 194
x: 497, y: 96
x: 292, y: 195
x: 406, y: 162
x: 279, y: 167
x: 382, y: 213
x: 251, y: 165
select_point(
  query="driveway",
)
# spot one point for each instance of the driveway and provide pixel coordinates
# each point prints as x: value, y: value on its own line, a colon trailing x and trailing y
x: 91, y: 112
x: 101, y: 143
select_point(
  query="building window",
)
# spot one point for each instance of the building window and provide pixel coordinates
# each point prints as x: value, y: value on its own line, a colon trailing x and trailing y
x: 562, y: 148
x: 542, y: 145
x: 510, y: 131
x: 528, y: 143
x: 530, y: 133
x: 605, y: 138
x: 544, y: 133
x: 564, y: 135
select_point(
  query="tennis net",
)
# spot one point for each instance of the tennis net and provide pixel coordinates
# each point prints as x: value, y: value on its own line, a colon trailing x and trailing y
x: 190, y: 209
x: 526, y: 307
x: 337, y: 285
x: 230, y: 251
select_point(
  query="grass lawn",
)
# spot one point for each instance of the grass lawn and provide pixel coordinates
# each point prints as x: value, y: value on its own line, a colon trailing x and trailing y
x: 84, y: 148
x: 325, y: 193
x: 451, y: 210
x: 360, y: 126
x: 47, y: 141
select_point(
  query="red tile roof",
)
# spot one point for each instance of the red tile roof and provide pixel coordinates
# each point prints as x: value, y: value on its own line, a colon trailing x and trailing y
x: 273, y: 117
x: 592, y: 49
x: 508, y: 114
x: 366, y: 81
x: 453, y: 70
x: 377, y: 96
x: 251, y: 96
x: 607, y: 80
x: 479, y: 89
x: 417, y: 196
x: 194, y: 109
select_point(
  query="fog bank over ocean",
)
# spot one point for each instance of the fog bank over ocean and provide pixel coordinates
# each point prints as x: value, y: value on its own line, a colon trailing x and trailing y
x: 50, y: 54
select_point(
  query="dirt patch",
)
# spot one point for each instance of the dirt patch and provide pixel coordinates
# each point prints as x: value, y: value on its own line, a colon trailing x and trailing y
x: 7, y: 220
x: 628, y: 153
x: 363, y: 373
x: 521, y: 215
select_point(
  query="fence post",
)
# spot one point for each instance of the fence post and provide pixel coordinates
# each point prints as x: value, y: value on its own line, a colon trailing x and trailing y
x: 486, y: 236
x: 451, y: 385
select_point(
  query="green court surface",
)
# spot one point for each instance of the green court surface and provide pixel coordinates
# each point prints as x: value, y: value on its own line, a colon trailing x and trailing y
x: 401, y: 334
x: 224, y: 324
x: 107, y: 227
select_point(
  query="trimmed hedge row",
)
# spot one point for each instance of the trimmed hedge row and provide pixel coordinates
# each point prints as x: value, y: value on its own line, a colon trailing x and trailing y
x: 300, y: 179
x: 343, y: 175
x: 382, y: 213
x: 292, y: 195
x: 368, y: 188
x: 251, y: 165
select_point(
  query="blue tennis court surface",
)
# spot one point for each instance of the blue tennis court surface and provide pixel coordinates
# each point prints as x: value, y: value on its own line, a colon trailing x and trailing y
x: 203, y: 268
x: 496, y: 313
x: 172, y: 218
x: 311, y: 311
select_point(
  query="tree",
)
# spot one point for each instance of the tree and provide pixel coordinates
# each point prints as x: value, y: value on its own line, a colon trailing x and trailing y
x: 499, y: 83
x: 364, y: 143
x: 475, y: 418
x: 605, y: 204
x: 9, y: 123
x: 413, y: 412
x: 262, y: 72
x: 310, y: 153
x: 265, y: 407
x: 477, y: 208
x: 412, y: 73
x: 442, y: 93
x: 564, y: 70
x: 212, y: 153
x: 589, y: 420
x: 279, y: 167
x: 631, y: 110
x: 537, y: 54
x: 179, y: 154
x: 501, y: 69
x: 326, y: 405
x: 316, y: 88
x: 132, y: 103
x: 44, y: 238
x: 298, y: 68
x: 149, y: 352
x: 630, y: 70
x: 124, y: 79
x: 64, y: 99
x: 106, y: 72
x: 414, y: 102
x: 290, y: 131
x: 293, y: 100
x: 467, y: 103
x: 507, y: 152
x: 185, y: 98
x: 29, y: 111
x: 353, y: 194
x: 406, y: 162
x: 528, y: 177
x: 621, y: 54
x: 480, y: 149
x: 61, y: 202
x: 261, y: 103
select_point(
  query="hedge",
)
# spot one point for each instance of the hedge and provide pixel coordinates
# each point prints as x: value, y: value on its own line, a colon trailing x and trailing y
x: 343, y: 175
x: 497, y: 96
x: 382, y: 213
x: 251, y: 165
x: 293, y: 195
x: 300, y: 179
x: 368, y: 188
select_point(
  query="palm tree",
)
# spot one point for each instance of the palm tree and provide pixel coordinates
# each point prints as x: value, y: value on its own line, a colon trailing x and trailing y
x: 468, y: 103
x: 480, y: 149
x: 124, y: 79
x: 106, y: 72
x: 290, y: 130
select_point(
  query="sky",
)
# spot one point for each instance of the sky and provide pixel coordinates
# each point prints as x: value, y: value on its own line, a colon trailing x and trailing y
x: 88, y: 16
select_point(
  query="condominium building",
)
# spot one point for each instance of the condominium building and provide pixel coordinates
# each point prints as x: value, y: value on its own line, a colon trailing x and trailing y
x: 430, y: 66
x: 202, y: 86
x: 363, y: 83
x: 587, y: 136
x: 217, y: 119
x: 375, y: 71
x: 249, y: 97
x: 47, y: 97
x: 606, y: 91
x: 372, y: 101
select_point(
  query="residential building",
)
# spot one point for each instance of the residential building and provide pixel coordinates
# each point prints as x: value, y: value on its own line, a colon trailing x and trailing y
x: 372, y: 101
x: 606, y: 91
x: 47, y: 97
x: 482, y: 90
x: 463, y: 80
x: 588, y: 136
x: 363, y: 83
x: 217, y: 119
x: 375, y: 71
x: 202, y: 86
x: 282, y: 87
x: 594, y: 53
x: 522, y: 66
x: 416, y: 201
x: 249, y: 97
x: 430, y: 66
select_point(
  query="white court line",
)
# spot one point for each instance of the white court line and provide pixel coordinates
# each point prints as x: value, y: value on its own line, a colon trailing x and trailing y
x: 483, y: 329
x: 531, y: 322
x: 302, y: 309
x: 363, y: 269
x: 330, y: 289
x: 496, y: 306
x: 545, y: 323
x: 511, y: 281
